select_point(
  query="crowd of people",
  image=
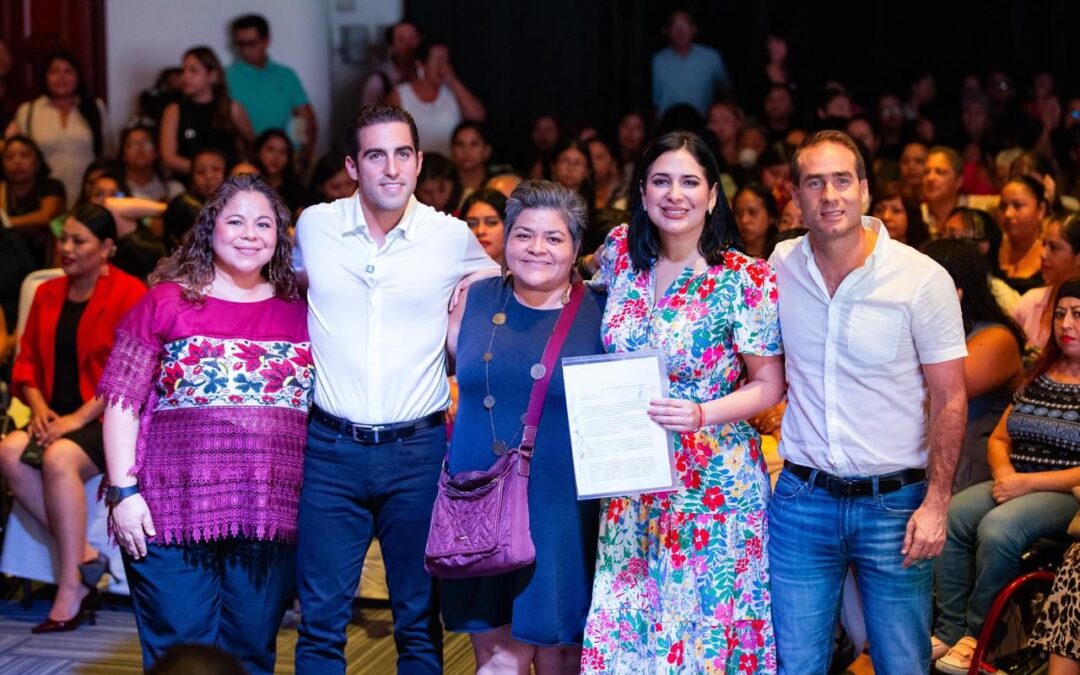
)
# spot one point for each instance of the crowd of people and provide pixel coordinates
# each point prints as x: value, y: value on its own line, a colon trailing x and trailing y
x: 261, y: 365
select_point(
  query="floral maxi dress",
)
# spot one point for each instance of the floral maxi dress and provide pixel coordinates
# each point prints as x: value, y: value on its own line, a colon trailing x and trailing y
x: 682, y: 581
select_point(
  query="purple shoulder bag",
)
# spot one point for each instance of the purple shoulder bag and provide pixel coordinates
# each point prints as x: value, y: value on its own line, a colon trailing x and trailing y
x: 480, y: 523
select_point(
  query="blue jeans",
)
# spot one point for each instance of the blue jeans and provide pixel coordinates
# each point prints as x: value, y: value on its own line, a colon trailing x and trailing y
x: 229, y: 593
x: 982, y: 551
x: 353, y: 491
x: 814, y: 538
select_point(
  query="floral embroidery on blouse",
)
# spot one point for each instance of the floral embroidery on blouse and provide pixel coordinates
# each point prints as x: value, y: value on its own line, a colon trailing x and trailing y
x: 200, y: 371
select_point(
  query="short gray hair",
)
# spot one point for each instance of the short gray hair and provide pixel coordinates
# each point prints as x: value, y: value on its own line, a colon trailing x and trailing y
x: 546, y: 194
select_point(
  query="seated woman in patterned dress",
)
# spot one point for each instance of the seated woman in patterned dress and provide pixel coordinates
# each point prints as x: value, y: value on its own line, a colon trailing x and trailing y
x: 1034, y: 456
x: 207, y: 393
x: 682, y: 576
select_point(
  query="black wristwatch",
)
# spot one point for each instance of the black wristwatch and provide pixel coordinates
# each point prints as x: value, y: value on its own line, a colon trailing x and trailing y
x: 114, y: 495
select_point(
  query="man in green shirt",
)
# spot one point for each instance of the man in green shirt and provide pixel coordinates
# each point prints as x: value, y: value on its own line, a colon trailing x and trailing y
x: 270, y: 92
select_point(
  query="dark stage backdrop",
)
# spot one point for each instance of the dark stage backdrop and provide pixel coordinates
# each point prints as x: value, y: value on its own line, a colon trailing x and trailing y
x: 588, y: 60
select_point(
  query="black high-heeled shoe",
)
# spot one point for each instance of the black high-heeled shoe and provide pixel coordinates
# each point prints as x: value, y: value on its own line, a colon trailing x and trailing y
x: 87, y: 614
x: 91, y: 571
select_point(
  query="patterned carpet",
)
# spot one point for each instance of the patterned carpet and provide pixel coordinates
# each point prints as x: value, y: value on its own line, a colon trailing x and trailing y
x: 112, y: 647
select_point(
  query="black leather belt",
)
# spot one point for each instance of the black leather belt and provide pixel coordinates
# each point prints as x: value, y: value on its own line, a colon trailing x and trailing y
x: 861, y: 487
x: 376, y: 434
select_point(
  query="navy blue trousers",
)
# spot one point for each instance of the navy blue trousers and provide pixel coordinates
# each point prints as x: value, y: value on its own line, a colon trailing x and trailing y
x: 352, y: 491
x: 230, y: 594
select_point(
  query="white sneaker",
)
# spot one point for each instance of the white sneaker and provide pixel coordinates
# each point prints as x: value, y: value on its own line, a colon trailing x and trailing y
x: 938, y: 648
x: 958, y: 660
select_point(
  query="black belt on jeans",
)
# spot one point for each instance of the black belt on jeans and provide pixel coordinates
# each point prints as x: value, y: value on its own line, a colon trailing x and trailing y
x: 860, y: 487
x: 376, y: 434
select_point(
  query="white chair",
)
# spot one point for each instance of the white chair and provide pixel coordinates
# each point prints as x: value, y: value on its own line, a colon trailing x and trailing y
x: 30, y: 551
x: 26, y: 297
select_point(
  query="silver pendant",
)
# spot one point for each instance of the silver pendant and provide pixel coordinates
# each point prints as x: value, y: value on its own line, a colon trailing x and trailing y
x: 537, y: 371
x: 498, y: 447
x: 489, y: 401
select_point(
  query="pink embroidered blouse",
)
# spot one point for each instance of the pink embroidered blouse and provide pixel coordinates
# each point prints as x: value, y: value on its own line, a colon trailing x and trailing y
x: 223, y: 390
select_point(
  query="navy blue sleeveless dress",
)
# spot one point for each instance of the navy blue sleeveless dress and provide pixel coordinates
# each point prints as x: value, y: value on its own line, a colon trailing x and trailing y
x: 545, y: 603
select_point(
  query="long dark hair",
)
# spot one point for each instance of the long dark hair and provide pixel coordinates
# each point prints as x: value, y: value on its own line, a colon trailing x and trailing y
x: 221, y: 113
x: 87, y: 103
x: 719, y: 234
x: 192, y: 264
x: 917, y: 231
x: 288, y: 174
x: 970, y: 272
x: 768, y: 202
x: 1051, y: 354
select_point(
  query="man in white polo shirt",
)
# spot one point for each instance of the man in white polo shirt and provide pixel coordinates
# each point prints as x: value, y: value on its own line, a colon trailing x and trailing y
x: 874, y: 346
x: 380, y: 268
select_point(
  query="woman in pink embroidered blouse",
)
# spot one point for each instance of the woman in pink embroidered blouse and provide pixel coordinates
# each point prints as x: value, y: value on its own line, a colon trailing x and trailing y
x: 207, y: 392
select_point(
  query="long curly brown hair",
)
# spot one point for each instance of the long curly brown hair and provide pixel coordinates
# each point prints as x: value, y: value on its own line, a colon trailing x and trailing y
x: 192, y: 264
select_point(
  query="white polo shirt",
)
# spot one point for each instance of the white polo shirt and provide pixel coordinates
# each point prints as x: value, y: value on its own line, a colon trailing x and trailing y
x: 378, y: 316
x: 858, y: 402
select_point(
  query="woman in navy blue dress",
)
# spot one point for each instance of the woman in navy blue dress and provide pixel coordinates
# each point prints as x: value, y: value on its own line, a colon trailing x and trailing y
x: 497, y: 333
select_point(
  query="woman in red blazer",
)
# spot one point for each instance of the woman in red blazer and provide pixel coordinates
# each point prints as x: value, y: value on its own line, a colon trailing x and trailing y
x: 67, y: 340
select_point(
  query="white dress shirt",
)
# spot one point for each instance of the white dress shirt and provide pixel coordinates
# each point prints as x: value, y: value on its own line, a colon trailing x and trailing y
x: 378, y: 316
x: 857, y: 397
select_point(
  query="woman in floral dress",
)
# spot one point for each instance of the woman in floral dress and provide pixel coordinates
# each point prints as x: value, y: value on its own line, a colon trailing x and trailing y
x: 682, y: 577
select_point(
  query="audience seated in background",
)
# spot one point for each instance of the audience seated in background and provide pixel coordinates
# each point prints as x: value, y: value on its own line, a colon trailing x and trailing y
x: 436, y: 98
x: 756, y: 216
x: 66, y: 122
x: 484, y: 211
x: 273, y: 155
x: 207, y: 173
x: 993, y: 367
x: 270, y: 92
x: 685, y: 71
x: 470, y: 152
x: 204, y: 117
x: 1060, y: 258
x: 902, y: 217
x: 1034, y: 463
x: 330, y: 180
x: 141, y: 165
x: 29, y: 197
x: 67, y: 339
x: 402, y: 39
x: 438, y: 185
x: 1023, y: 210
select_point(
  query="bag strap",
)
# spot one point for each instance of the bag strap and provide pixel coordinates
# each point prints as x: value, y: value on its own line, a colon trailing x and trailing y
x: 539, y: 388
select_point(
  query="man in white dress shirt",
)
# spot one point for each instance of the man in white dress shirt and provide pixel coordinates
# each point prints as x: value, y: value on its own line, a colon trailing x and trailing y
x: 380, y: 268
x: 874, y: 347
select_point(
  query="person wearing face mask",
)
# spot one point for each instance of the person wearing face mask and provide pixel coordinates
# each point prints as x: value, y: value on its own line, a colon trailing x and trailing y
x: 68, y: 336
